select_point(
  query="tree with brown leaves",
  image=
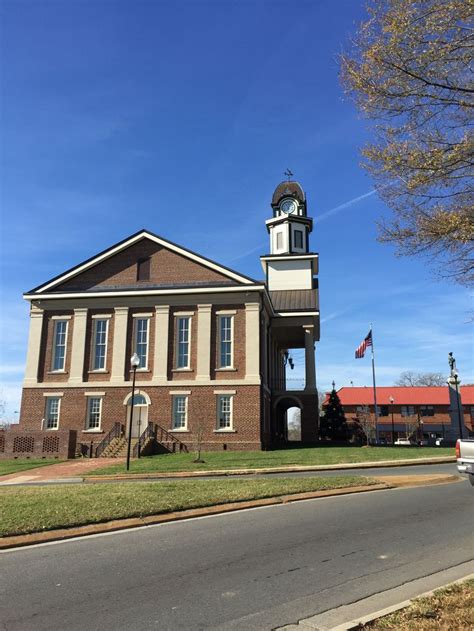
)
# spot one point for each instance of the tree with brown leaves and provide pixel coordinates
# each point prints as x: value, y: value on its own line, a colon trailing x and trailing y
x: 410, y: 69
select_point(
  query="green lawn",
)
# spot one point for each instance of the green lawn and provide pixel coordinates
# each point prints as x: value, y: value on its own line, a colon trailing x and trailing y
x: 13, y: 466
x: 36, y: 509
x: 279, y: 458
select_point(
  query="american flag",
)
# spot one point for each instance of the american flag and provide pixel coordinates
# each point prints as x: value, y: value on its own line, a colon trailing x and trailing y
x: 367, y: 341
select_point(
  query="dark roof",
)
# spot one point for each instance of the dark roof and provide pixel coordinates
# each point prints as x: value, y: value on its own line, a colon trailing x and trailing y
x: 292, y: 189
x: 295, y: 300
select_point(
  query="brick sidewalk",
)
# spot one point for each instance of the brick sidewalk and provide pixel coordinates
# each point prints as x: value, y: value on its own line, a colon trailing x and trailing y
x: 68, y: 469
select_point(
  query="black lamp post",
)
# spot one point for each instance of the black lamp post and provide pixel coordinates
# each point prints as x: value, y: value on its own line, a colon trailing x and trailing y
x: 134, y: 363
x: 392, y: 400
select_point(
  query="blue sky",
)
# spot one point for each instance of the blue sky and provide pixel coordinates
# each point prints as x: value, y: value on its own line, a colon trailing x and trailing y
x: 181, y: 117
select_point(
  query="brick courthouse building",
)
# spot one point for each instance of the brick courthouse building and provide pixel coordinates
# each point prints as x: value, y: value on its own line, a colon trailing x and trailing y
x: 212, y: 342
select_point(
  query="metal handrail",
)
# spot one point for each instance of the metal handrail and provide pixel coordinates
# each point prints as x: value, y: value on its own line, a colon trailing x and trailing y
x: 164, y: 436
x: 148, y: 432
x: 115, y: 432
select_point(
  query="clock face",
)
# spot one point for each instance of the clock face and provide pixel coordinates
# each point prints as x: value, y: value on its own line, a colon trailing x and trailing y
x: 288, y: 206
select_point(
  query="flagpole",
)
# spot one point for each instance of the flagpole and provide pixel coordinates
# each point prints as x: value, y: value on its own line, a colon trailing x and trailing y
x: 375, y: 389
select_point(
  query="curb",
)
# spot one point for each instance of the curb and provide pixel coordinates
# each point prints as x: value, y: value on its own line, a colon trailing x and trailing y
x: 320, y: 622
x: 17, y: 541
x: 294, y: 469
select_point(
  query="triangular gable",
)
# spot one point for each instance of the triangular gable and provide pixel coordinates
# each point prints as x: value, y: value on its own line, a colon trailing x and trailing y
x: 116, y: 266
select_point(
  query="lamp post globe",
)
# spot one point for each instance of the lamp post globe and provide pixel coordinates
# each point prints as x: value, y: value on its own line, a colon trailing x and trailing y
x: 134, y: 364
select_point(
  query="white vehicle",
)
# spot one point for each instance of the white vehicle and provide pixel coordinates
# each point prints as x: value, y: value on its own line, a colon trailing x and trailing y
x: 465, y: 457
x: 404, y: 441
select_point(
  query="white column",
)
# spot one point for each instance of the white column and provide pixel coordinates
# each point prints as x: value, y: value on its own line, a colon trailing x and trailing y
x: 160, y: 369
x: 252, y: 341
x: 203, y: 371
x: 34, y: 346
x: 120, y: 345
x: 310, y: 367
x: 76, y: 373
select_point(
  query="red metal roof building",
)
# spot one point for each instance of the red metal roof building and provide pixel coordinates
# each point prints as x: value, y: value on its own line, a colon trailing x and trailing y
x: 429, y: 405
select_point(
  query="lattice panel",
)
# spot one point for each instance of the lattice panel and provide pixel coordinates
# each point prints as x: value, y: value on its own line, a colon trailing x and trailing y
x: 23, y: 444
x: 2, y: 443
x: 50, y: 444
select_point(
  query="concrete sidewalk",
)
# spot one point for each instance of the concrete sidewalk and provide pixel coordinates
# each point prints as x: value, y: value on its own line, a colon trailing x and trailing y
x: 61, y: 470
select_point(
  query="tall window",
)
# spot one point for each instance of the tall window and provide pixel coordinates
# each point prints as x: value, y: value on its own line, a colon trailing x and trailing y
x: 180, y: 412
x: 183, y: 332
x: 94, y: 408
x: 224, y: 411
x: 298, y: 239
x: 52, y: 412
x: 100, y: 344
x: 225, y: 341
x: 141, y: 340
x: 279, y: 240
x: 407, y: 410
x: 59, y: 348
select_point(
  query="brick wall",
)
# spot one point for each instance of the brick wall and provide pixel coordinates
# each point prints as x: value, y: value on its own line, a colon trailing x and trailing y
x: 166, y: 267
x: 202, y: 410
x: 24, y: 443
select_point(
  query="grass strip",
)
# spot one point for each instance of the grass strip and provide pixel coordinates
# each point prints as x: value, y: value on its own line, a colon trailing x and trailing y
x: 278, y: 458
x: 449, y: 608
x: 15, y: 466
x: 36, y: 509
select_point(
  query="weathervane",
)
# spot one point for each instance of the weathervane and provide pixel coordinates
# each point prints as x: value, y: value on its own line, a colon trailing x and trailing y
x: 288, y: 174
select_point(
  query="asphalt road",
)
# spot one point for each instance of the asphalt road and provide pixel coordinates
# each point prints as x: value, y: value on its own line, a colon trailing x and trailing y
x: 254, y: 569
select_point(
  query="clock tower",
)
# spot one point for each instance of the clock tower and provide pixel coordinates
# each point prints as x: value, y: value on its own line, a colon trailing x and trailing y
x: 290, y: 264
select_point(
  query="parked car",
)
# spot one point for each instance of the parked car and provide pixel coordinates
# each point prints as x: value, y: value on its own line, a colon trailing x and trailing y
x: 439, y: 442
x: 404, y: 441
x: 465, y: 457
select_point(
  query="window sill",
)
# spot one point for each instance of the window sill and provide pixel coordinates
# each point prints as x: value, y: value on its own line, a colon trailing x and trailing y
x: 225, y: 431
x: 182, y: 370
x: 230, y: 369
x: 51, y: 429
x: 142, y: 370
x: 179, y: 431
x: 57, y: 372
x: 98, y: 372
x: 92, y: 431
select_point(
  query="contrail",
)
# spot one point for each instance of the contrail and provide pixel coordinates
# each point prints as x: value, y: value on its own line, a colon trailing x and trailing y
x: 336, y: 209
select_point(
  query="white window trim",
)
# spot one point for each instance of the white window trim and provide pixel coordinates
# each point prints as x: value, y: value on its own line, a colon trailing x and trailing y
x: 53, y: 358
x: 186, y: 399
x: 90, y: 396
x: 135, y: 338
x: 105, y: 316
x: 94, y: 337
x: 190, y: 327
x: 142, y: 316
x: 219, y: 357
x: 45, y: 426
x: 63, y: 317
x: 229, y: 429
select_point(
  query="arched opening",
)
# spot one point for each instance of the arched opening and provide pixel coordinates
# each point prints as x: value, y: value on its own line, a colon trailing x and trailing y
x: 293, y: 424
x: 141, y: 402
x: 287, y: 420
